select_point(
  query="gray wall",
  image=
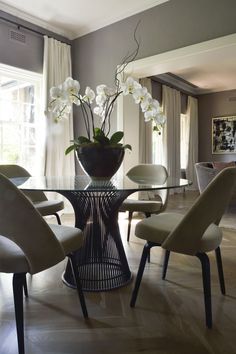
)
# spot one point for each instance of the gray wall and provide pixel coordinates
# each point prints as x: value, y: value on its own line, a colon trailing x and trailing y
x: 172, y: 25
x: 214, y: 105
x: 28, y: 56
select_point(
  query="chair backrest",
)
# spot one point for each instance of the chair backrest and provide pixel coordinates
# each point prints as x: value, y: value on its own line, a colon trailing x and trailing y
x: 12, y: 171
x: 207, y: 209
x: 205, y: 174
x: 159, y: 175
x: 21, y: 223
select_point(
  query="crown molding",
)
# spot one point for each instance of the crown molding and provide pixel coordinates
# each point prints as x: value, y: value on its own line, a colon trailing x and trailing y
x: 83, y: 30
x: 21, y: 15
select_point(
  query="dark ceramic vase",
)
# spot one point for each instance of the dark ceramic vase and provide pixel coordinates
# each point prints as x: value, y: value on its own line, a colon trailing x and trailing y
x: 100, y: 162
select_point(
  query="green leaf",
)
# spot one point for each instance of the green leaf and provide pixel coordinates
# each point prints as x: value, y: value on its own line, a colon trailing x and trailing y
x: 71, y: 148
x: 102, y: 139
x: 82, y: 140
x: 127, y: 146
x: 116, y: 137
x: 98, y: 132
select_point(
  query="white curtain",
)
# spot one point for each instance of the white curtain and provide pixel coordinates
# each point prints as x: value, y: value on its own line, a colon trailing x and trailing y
x: 192, y: 116
x: 56, y: 68
x: 171, y: 103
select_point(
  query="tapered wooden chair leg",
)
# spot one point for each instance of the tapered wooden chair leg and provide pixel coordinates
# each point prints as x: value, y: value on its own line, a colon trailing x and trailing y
x: 18, y: 283
x: 206, y: 277
x: 220, y: 270
x: 143, y: 260
x: 165, y: 265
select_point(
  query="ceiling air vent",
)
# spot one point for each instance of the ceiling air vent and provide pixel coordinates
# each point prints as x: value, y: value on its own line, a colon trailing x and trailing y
x: 232, y: 99
x: 17, y: 37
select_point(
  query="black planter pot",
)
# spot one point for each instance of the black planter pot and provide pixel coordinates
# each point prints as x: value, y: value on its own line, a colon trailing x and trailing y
x: 100, y: 162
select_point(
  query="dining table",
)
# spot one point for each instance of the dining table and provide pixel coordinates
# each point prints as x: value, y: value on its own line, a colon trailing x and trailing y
x: 102, y: 262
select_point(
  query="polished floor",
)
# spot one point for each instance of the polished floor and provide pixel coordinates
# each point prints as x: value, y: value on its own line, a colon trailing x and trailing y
x: 168, y: 317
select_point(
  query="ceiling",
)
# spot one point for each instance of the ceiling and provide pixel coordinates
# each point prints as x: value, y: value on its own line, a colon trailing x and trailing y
x: 212, y: 71
x: 207, y: 72
x: 74, y: 18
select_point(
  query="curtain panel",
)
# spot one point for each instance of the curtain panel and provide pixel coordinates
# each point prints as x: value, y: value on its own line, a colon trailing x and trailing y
x: 56, y: 68
x: 192, y: 116
x: 171, y: 102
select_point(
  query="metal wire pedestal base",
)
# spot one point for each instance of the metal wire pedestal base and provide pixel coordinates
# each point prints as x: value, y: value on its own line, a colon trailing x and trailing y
x: 102, y: 263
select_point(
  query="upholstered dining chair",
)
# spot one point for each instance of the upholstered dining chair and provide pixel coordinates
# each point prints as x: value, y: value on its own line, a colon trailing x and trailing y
x: 38, y: 198
x: 29, y: 245
x: 157, y: 173
x: 194, y: 234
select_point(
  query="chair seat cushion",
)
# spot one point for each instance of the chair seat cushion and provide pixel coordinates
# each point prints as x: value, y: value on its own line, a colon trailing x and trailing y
x: 70, y: 238
x: 49, y: 207
x: 141, y: 205
x: 158, y: 227
x: 12, y: 258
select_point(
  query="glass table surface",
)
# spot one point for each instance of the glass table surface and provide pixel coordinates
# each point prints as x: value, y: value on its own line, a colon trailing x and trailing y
x: 82, y: 183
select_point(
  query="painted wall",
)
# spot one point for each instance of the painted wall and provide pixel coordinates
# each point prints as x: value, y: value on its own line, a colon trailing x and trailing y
x: 28, y: 56
x: 214, y: 105
x: 172, y: 25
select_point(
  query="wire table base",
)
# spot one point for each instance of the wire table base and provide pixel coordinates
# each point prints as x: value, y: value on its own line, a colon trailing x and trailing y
x: 102, y: 263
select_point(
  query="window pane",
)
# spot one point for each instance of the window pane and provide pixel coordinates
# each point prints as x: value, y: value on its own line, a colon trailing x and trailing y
x: 20, y: 114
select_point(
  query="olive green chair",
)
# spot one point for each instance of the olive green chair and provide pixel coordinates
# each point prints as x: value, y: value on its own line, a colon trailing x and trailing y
x: 29, y: 245
x: 38, y: 198
x: 194, y: 234
x: 157, y: 173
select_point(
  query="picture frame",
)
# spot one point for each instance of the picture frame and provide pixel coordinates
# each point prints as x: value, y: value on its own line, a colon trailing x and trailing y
x: 224, y: 135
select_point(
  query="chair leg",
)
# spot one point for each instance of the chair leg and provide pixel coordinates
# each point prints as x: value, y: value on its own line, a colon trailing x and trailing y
x: 149, y: 254
x: 58, y: 218
x: 165, y: 265
x: 220, y: 270
x: 143, y: 260
x: 18, y: 282
x: 129, y: 225
x: 78, y: 285
x: 25, y: 287
x: 206, y: 277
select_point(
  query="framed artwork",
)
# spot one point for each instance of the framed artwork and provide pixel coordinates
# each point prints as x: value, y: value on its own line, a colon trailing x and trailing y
x: 224, y: 135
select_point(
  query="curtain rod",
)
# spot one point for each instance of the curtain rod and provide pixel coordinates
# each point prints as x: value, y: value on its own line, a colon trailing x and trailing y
x: 41, y: 33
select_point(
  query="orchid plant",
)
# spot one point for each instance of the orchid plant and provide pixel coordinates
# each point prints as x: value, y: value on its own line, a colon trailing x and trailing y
x: 101, y: 104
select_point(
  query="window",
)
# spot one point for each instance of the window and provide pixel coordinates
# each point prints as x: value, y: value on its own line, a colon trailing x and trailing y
x: 157, y: 148
x: 184, y: 144
x: 22, y: 125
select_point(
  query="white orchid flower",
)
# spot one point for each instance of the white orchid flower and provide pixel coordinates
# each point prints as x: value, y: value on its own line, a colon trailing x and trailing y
x: 130, y: 86
x: 101, y: 89
x: 109, y: 91
x: 150, y: 104
x: 89, y: 95
x: 101, y: 99
x: 141, y: 95
x: 160, y: 118
x: 71, y: 86
x: 56, y: 93
x: 150, y: 115
x: 98, y: 110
